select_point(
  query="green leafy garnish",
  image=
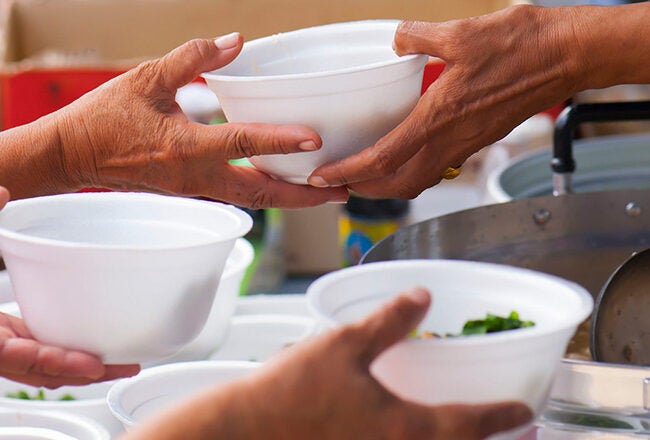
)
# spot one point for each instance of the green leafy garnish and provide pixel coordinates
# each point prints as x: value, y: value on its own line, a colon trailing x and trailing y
x: 491, y: 324
x: 40, y: 395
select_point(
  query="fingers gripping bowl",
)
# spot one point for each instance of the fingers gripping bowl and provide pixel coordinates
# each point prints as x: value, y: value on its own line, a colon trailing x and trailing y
x: 343, y: 80
x: 510, y: 365
x: 129, y: 277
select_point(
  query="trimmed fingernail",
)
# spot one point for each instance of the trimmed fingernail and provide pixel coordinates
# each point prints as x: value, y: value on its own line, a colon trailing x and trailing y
x: 418, y: 295
x: 340, y: 198
x: 318, y: 182
x: 307, y: 145
x: 227, y: 41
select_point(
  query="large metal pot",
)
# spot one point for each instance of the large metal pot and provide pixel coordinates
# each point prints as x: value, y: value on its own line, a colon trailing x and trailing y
x: 581, y: 237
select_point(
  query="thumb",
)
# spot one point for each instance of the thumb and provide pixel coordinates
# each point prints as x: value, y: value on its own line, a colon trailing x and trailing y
x: 4, y: 196
x: 392, y: 322
x: 189, y: 60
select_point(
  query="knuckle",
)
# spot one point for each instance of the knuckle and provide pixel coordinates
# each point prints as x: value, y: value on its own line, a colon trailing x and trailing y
x: 241, y: 143
x: 383, y: 163
x: 260, y: 199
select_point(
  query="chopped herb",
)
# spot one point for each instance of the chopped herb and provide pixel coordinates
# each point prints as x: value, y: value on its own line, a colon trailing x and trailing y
x: 40, y: 395
x: 491, y: 324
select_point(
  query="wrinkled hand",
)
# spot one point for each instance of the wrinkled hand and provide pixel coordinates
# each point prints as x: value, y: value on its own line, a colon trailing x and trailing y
x: 130, y: 134
x: 500, y: 69
x: 26, y: 360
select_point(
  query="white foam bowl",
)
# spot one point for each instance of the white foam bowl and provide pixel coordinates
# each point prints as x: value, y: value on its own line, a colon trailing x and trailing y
x: 343, y: 80
x: 258, y: 337
x: 129, y: 277
x: 512, y: 365
x: 90, y: 401
x: 48, y: 425
x: 137, y: 398
x: 223, y: 308
x: 283, y: 304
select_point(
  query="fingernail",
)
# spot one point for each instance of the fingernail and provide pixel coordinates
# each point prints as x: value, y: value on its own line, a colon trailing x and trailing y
x: 340, y: 198
x: 418, y: 295
x: 318, y: 182
x: 227, y: 41
x: 307, y: 145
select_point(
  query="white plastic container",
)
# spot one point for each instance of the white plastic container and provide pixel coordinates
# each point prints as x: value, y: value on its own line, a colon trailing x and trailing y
x: 512, y: 365
x: 343, y: 80
x: 137, y: 398
x: 129, y: 277
x: 48, y: 425
x: 257, y: 338
x: 89, y: 401
x: 216, y: 326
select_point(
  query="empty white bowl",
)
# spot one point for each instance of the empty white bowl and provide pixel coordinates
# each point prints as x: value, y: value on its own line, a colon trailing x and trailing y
x: 48, y: 425
x: 283, y: 304
x: 258, y: 337
x: 137, y: 398
x: 512, y: 365
x: 129, y: 277
x: 343, y: 80
x: 223, y: 308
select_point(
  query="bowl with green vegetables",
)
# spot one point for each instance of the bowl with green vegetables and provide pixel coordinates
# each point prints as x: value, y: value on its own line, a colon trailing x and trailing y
x: 492, y: 333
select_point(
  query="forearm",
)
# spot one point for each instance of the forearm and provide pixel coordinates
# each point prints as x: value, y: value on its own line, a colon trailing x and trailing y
x: 615, y: 42
x: 31, y: 159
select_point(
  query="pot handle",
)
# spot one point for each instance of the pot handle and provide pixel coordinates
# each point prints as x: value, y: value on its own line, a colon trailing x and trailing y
x: 571, y: 117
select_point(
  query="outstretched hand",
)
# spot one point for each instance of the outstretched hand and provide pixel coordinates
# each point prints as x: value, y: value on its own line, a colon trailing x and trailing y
x: 501, y: 69
x: 131, y: 134
x: 322, y: 388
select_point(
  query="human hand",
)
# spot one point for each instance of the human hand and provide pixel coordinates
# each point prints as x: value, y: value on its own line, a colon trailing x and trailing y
x: 500, y: 69
x: 322, y: 388
x: 326, y: 383
x: 4, y: 196
x: 23, y: 359
x: 130, y: 134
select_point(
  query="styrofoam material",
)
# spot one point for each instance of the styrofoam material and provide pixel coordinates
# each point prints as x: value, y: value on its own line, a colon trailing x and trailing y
x: 19, y: 424
x: 90, y: 401
x: 129, y: 277
x: 513, y: 365
x: 134, y: 399
x: 259, y: 337
x: 223, y: 308
x: 283, y: 304
x: 343, y: 80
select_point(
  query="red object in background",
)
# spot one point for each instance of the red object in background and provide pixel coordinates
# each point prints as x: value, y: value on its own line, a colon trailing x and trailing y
x: 434, y: 68
x: 432, y: 71
x: 28, y: 95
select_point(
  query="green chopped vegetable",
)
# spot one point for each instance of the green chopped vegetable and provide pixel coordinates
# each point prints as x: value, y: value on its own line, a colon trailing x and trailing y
x: 40, y: 395
x: 491, y: 324
x: 587, y: 419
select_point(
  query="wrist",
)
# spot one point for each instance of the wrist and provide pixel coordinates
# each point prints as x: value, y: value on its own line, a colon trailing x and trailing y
x: 613, y: 42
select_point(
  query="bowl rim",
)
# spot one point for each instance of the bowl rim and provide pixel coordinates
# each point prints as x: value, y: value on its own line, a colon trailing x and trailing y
x: 212, y: 76
x: 245, y: 221
x: 113, y: 397
x: 91, y: 426
x: 583, y: 308
x: 60, y: 405
x: 247, y: 256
